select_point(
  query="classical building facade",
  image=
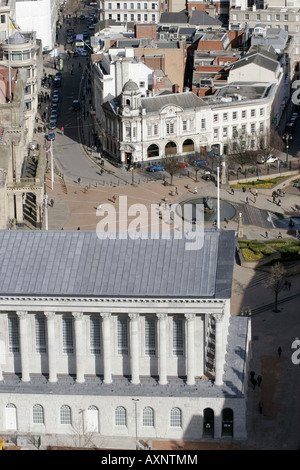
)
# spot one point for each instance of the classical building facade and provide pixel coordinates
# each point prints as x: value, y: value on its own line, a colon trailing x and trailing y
x: 87, y: 326
x: 146, y: 129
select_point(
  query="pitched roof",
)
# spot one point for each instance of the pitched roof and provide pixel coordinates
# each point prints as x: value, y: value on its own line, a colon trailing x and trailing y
x: 184, y: 100
x: 259, y: 59
x: 78, y: 263
x: 203, y: 18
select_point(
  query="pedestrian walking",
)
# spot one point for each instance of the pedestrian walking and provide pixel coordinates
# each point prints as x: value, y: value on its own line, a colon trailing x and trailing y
x: 260, y: 407
x: 254, y: 382
x: 247, y: 200
x: 195, y: 191
x: 254, y: 200
x: 232, y: 191
x: 62, y: 130
x: 256, y: 193
x: 176, y: 190
x: 267, y: 235
x: 78, y: 180
x: 279, y: 351
x: 252, y: 374
x: 259, y: 380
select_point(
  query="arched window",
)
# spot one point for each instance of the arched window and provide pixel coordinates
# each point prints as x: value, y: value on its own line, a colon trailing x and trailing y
x: 11, y: 416
x: 175, y: 418
x: 170, y: 148
x: 92, y: 418
x: 227, y: 422
x: 208, y: 422
x: 65, y: 415
x: 38, y: 414
x: 120, y: 416
x: 148, y: 416
x: 152, y: 151
x: 188, y: 146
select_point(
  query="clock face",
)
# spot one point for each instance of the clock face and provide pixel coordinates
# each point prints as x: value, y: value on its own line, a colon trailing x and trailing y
x: 126, y: 109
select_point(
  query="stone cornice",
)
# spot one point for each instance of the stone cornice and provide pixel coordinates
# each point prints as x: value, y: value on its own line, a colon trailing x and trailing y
x: 96, y: 304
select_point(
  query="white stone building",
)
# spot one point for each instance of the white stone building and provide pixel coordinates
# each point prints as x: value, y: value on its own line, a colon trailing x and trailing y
x: 130, y: 11
x: 88, y: 324
x: 146, y: 129
x: 111, y: 73
x: 38, y: 16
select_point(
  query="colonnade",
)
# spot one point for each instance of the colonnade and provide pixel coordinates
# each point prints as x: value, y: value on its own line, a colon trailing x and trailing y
x: 107, y: 347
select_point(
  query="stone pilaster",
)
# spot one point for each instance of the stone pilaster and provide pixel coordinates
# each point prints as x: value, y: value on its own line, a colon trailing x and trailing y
x: 106, y: 318
x: 23, y: 316
x: 79, y: 347
x: 50, y: 316
x: 134, y: 347
x: 162, y: 338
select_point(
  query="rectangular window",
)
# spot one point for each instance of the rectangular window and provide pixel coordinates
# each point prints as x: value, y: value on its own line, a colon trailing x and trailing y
x: 234, y: 115
x: 216, y: 133
x: 286, y: 17
x: 153, y: 18
x: 261, y: 111
x: 216, y: 118
x: 277, y: 17
x: 170, y: 127
x: 178, y: 337
x: 234, y: 131
x: 122, y: 336
x: 13, y: 334
x: 149, y: 337
x: 40, y: 335
x: 67, y: 324
x: 225, y: 117
x: 118, y: 6
x: 184, y: 125
x: 138, y: 6
x: 2, y: 19
x: 145, y: 17
x: 118, y: 17
x: 261, y: 127
x: 243, y: 129
x: 243, y: 114
x: 95, y: 336
x: 125, y: 6
x: 153, y: 6
x: 155, y: 129
x: 109, y: 6
x: 139, y: 17
x: 252, y: 112
x: 132, y: 17
x: 203, y: 123
x: 225, y: 132
x: 132, y: 6
x: 252, y: 128
x: 125, y: 16
x: 258, y: 17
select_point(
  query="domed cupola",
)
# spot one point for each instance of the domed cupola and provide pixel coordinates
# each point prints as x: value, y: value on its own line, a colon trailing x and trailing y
x: 131, y: 95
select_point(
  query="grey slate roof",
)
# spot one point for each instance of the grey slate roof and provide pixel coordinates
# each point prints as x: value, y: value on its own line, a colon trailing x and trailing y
x: 258, y: 59
x: 202, y: 18
x: 78, y: 263
x: 184, y: 100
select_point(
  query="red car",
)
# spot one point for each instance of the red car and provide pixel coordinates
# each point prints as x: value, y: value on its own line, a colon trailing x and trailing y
x: 181, y: 165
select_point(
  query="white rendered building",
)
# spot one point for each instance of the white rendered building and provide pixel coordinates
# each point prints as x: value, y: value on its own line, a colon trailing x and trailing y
x: 39, y: 16
x: 146, y: 129
x: 130, y: 11
x: 88, y: 324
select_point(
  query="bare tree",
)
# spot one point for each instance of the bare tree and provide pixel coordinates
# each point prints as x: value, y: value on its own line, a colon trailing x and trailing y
x: 171, y: 163
x: 81, y: 436
x: 242, y: 150
x: 276, y: 282
x: 269, y: 143
x: 195, y: 159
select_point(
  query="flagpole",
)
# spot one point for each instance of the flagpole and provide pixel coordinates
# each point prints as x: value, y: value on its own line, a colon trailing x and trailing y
x: 46, y: 212
x: 52, y: 167
x: 218, y: 199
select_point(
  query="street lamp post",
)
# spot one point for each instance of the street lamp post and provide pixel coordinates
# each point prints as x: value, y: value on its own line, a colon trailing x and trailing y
x: 136, y: 424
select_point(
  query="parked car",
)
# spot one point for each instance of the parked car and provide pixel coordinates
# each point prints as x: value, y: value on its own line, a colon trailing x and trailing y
x: 200, y: 162
x: 75, y: 105
x: 84, y: 53
x: 207, y: 176
x: 156, y: 168
x: 270, y: 159
x: 51, y: 136
x: 182, y: 165
x: 52, y: 125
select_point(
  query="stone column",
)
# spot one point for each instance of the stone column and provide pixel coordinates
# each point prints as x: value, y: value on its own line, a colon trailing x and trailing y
x: 19, y: 209
x: 106, y: 347
x: 162, y: 338
x: 50, y: 316
x: 219, y: 355
x: 24, y: 346
x: 79, y: 347
x: 190, y: 318
x: 134, y: 347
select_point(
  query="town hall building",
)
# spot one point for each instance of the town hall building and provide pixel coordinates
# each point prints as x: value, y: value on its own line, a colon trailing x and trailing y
x: 91, y: 328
